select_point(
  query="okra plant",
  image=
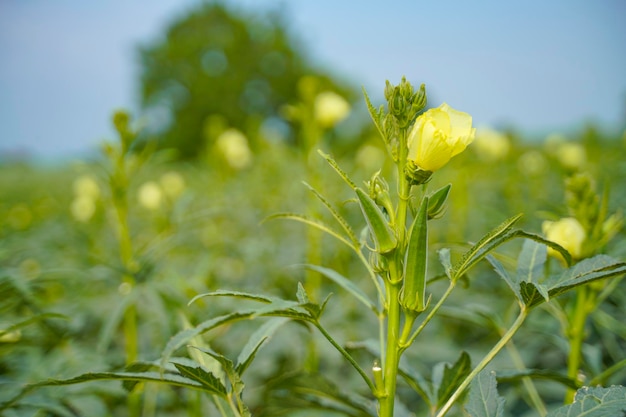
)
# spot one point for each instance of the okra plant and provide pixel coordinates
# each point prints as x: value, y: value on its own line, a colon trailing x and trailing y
x: 394, y: 252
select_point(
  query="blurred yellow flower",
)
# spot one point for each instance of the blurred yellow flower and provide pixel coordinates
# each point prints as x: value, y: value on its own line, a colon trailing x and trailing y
x: 553, y: 141
x: 571, y: 155
x: 233, y: 146
x: 532, y: 163
x: 567, y: 232
x: 330, y: 108
x: 491, y: 145
x: 173, y: 184
x: 150, y: 195
x: 86, y: 186
x: 437, y: 136
x: 370, y: 157
x: 83, y: 208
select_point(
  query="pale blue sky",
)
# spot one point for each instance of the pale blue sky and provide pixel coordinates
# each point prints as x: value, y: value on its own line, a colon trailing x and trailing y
x: 538, y: 65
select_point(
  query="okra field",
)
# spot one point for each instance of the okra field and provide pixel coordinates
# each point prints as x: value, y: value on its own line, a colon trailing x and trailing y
x: 417, y: 265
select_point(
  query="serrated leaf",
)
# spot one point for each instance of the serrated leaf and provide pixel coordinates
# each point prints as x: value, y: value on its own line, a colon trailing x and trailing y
x: 256, y: 340
x: 346, y: 284
x: 588, y: 270
x: 531, y: 261
x: 451, y: 378
x: 31, y: 320
x: 313, y: 392
x: 595, y: 402
x: 166, y: 378
x: 236, y: 294
x: 584, y: 272
x: 182, y: 337
x: 376, y: 114
x: 209, y: 381
x: 226, y: 363
x: 338, y: 217
x: 516, y: 375
x: 314, y: 223
x: 484, y: 400
x: 301, y: 295
x: 533, y: 294
x: 381, y: 232
x: 487, y: 243
x: 510, y: 280
x: 337, y: 169
x: 419, y: 384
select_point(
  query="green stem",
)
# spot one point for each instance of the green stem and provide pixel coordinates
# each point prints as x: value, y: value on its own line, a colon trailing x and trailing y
x: 576, y: 335
x: 601, y: 378
x: 126, y: 255
x: 346, y: 355
x: 430, y: 315
x: 393, y: 350
x: 535, y: 398
x: 488, y: 358
x: 392, y: 357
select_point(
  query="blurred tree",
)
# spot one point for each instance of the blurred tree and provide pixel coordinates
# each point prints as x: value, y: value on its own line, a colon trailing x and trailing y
x: 216, y: 69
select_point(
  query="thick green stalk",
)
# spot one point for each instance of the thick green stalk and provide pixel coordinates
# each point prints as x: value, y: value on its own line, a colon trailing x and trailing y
x: 485, y: 361
x: 392, y: 357
x: 576, y: 335
x: 128, y: 281
x: 393, y: 351
x: 313, y: 280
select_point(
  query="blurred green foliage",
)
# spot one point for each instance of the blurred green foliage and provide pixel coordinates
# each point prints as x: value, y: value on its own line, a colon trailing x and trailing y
x: 59, y: 272
x: 217, y: 68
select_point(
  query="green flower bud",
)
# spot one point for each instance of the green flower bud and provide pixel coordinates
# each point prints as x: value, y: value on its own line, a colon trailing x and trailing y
x: 379, y: 192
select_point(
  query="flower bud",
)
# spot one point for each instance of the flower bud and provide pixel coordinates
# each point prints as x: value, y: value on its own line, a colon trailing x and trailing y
x: 379, y: 192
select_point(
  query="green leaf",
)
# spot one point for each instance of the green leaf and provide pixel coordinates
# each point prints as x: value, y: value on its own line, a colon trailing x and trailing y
x: 256, y: 340
x: 182, y: 337
x: 346, y: 284
x: 479, y: 250
x: 447, y: 378
x: 437, y: 201
x: 531, y: 261
x: 413, y: 296
x: 165, y: 378
x: 381, y: 232
x: 344, y: 224
x: 588, y: 270
x: 484, y: 400
x: 511, y: 281
x: 376, y: 114
x: 315, y: 223
x: 595, y: 402
x: 338, y: 169
x: 209, y: 381
x: 419, y: 384
x: 517, y: 375
x: 300, y: 391
x: 237, y: 294
x: 584, y: 272
x: 533, y: 294
x: 31, y: 320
